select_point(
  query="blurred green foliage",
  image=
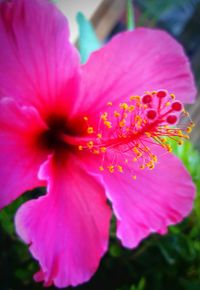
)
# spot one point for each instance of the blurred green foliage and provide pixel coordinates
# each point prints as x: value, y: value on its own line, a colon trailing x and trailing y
x: 160, y: 262
x: 130, y: 22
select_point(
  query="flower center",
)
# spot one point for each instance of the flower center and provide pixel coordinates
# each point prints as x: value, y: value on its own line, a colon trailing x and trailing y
x: 132, y: 132
x: 52, y: 138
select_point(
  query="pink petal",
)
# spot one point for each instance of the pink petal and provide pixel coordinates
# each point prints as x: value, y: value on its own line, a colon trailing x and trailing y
x: 68, y: 228
x: 134, y: 62
x: 156, y: 199
x: 19, y: 158
x: 38, y: 65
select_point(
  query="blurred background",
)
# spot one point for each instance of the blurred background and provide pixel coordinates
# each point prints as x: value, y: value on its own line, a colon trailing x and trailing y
x: 159, y: 263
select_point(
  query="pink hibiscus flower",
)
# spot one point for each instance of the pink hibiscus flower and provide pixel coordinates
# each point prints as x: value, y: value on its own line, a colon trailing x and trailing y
x: 84, y: 132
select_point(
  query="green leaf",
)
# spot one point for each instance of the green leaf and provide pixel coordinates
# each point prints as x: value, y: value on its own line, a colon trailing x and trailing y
x: 140, y: 286
x: 115, y: 250
x: 189, y: 156
x: 191, y: 159
x: 130, y: 15
x: 170, y: 260
x: 88, y: 41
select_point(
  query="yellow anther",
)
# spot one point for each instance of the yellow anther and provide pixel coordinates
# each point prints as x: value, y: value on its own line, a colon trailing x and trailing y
x: 120, y: 168
x: 134, y: 177
x: 132, y: 98
x: 173, y: 96
x: 90, y: 130
x: 85, y: 118
x: 109, y: 104
x: 168, y: 147
x: 122, y: 123
x: 186, y: 113
x: 111, y: 168
x: 131, y: 108
x: 167, y: 104
x: 150, y: 165
x: 90, y: 144
x: 138, y: 119
x: 180, y: 142
x: 142, y: 167
x: 192, y: 124
x: 135, y: 150
x: 104, y: 116
x: 186, y: 136
x: 103, y: 149
x: 134, y: 159
x: 95, y: 151
x: 180, y: 133
x: 80, y: 147
x: 99, y: 135
x: 189, y: 130
x: 108, y: 124
x: 123, y: 106
x: 116, y: 114
x: 148, y: 134
x: 101, y: 168
x: 155, y: 158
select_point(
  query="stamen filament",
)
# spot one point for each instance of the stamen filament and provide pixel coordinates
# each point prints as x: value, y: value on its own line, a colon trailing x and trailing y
x: 149, y: 119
